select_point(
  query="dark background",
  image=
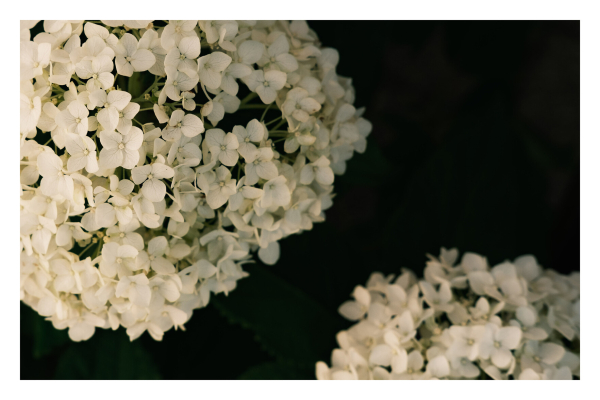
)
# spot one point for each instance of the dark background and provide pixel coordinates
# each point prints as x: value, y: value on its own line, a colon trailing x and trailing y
x: 475, y: 145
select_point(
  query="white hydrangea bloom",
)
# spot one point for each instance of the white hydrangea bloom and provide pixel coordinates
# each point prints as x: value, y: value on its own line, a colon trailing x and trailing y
x: 131, y: 58
x: 120, y: 150
x: 462, y: 334
x: 136, y: 208
x: 266, y: 84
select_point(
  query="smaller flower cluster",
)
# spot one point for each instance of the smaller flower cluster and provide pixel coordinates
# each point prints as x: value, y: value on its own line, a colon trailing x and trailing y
x: 466, y: 321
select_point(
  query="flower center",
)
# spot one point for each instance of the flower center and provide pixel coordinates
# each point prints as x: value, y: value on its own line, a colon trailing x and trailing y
x: 223, y: 148
x: 86, y: 152
x: 497, y: 344
x: 121, y: 146
x: 128, y: 59
x: 39, y: 227
x: 35, y: 65
x: 247, y: 140
x: 78, y: 120
x: 150, y: 176
x: 182, y: 57
x: 106, y: 105
x: 266, y: 84
x: 95, y: 76
x: 119, y: 260
x: 470, y: 342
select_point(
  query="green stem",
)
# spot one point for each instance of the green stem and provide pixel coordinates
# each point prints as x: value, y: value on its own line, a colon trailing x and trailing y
x: 274, y: 131
x: 254, y: 106
x: 239, y: 165
x: 248, y: 98
x: 283, y: 121
x: 262, y: 118
x: 98, y: 248
x: 154, y: 85
x: 84, y: 250
x: 273, y: 121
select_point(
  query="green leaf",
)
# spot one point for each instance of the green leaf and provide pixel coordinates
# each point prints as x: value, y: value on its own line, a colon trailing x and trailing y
x: 138, y: 83
x: 45, y: 337
x: 274, y: 371
x: 289, y: 325
x: 107, y: 355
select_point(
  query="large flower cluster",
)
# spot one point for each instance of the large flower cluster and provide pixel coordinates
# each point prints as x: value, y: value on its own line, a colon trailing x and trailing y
x: 136, y: 223
x: 469, y: 321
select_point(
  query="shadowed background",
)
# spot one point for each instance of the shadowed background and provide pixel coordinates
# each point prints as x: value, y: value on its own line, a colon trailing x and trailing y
x: 475, y: 145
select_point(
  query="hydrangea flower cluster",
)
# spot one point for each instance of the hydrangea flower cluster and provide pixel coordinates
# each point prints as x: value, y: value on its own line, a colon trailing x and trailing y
x: 135, y: 224
x: 466, y: 321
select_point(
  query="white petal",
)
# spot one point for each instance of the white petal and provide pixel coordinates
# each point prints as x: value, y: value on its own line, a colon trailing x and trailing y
x: 154, y: 190
x: 270, y: 254
x: 351, y: 310
x: 381, y: 355
x: 143, y: 60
